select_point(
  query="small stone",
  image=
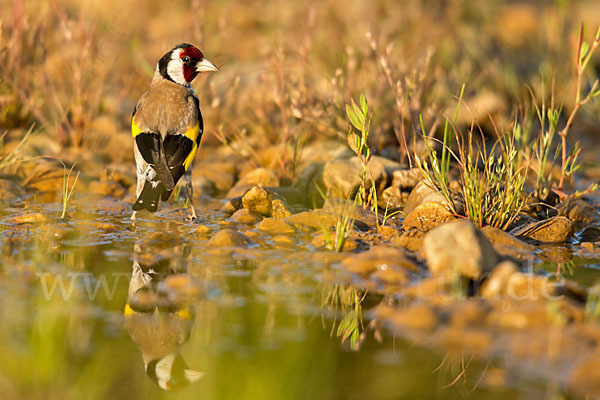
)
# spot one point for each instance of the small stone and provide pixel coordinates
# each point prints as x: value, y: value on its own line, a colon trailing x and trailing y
x: 422, y: 193
x: 412, y: 243
x: 470, y: 312
x: 342, y: 177
x: 589, y: 234
x: 229, y: 237
x: 126, y: 178
x: 497, y: 283
x: 32, y: 218
x: 321, y: 242
x: 379, y: 258
x: 232, y: 205
x: 459, y: 247
x: 406, y: 178
x: 506, y: 244
x: 283, y: 241
x: 551, y: 230
x: 392, y: 197
x: 578, y: 211
x: 222, y: 174
x: 275, y: 226
x: 584, y: 378
x: 465, y: 341
x: 46, y: 178
x: 261, y: 177
x: 416, y: 317
x: 203, y: 187
x: 107, y: 188
x: 391, y: 276
x: 325, y: 218
x: 257, y: 177
x: 203, y: 230
x: 518, y: 315
x: 9, y: 189
x: 246, y: 217
x: 426, y: 216
x: 259, y: 201
x: 280, y: 209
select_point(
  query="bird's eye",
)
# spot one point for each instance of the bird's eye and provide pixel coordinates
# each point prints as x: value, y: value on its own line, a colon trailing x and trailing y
x: 185, y: 59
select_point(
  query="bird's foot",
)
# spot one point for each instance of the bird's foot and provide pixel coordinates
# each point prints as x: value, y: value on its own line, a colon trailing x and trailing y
x: 133, y: 218
x: 192, y: 215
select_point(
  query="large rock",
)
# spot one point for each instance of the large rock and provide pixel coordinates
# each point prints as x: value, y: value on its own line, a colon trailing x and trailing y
x: 551, y: 230
x: 342, y: 177
x: 459, y: 247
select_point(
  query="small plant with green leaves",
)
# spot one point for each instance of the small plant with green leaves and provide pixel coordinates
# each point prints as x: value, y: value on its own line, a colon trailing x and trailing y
x: 435, y: 170
x: 585, y: 51
x: 494, y: 194
x: 360, y: 119
x: 342, y: 211
x: 67, y: 189
x: 14, y: 155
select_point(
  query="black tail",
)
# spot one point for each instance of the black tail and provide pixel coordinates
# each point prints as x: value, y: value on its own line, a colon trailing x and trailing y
x: 148, y: 199
x: 151, y: 148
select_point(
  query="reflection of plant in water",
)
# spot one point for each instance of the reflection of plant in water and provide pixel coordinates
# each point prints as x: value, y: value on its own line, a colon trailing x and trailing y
x: 348, y: 301
x: 559, y: 270
x: 457, y: 367
x: 592, y: 306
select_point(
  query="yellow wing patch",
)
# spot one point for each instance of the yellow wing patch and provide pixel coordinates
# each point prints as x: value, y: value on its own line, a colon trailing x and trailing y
x: 135, y: 130
x: 128, y: 310
x: 192, y: 134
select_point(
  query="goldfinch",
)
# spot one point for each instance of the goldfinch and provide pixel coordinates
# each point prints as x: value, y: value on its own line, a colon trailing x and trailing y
x: 167, y: 126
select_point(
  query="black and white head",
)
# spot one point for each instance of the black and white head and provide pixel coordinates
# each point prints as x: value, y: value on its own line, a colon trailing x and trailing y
x: 182, y: 63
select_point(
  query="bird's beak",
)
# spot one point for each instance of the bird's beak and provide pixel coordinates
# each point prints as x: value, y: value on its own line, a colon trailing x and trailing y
x: 206, y: 66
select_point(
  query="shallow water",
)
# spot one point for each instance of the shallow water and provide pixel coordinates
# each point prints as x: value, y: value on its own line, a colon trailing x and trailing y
x: 258, y: 322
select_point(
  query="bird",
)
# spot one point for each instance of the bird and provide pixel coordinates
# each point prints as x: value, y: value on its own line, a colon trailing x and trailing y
x: 167, y: 126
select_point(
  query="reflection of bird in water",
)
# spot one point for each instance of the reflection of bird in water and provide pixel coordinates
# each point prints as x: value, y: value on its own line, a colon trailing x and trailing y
x: 158, y: 320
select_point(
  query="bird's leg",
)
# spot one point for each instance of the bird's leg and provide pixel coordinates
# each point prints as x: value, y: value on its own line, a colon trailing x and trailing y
x: 189, y: 193
x: 138, y: 191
